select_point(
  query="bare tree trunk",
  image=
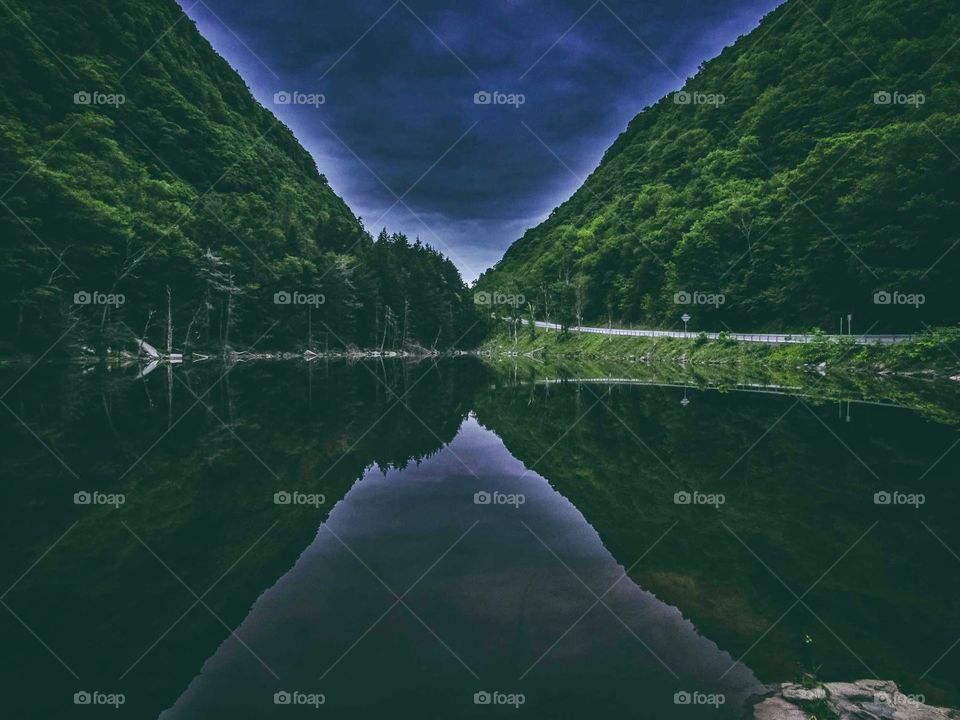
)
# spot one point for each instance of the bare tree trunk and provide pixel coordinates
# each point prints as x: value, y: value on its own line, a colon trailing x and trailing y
x: 226, y: 332
x: 169, y: 324
x: 386, y: 324
x: 186, y: 338
x: 143, y: 337
x: 406, y: 323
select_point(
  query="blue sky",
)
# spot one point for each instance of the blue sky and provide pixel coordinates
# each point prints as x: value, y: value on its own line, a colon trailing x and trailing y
x: 398, y: 80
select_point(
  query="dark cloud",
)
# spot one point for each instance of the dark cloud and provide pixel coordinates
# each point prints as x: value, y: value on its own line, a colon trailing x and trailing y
x: 399, y: 102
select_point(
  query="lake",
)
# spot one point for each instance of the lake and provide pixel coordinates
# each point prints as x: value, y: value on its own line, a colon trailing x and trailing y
x: 451, y: 539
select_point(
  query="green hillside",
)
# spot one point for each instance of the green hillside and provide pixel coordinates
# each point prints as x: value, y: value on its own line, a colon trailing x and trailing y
x: 810, y: 166
x: 134, y: 159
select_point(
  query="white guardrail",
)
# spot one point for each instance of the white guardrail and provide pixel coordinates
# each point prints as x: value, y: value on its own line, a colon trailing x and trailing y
x: 767, y: 338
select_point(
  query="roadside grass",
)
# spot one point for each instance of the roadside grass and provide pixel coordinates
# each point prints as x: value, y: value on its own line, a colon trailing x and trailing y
x: 933, y: 352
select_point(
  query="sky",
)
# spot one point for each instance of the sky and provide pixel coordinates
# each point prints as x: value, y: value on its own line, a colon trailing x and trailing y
x: 390, y: 97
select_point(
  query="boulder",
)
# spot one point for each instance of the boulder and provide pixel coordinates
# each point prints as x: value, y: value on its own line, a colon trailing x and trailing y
x: 798, y: 694
x: 860, y: 700
x: 777, y: 708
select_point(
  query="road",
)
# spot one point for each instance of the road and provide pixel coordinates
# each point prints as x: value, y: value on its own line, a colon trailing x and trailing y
x: 766, y: 338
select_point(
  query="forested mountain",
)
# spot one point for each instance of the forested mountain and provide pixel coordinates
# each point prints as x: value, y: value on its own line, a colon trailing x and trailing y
x: 136, y: 165
x: 811, y: 170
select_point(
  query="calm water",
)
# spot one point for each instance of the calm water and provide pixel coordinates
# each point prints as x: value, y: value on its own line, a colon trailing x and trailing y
x: 389, y: 586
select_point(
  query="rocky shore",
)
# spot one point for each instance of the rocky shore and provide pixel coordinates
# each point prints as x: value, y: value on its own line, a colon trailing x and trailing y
x: 860, y: 700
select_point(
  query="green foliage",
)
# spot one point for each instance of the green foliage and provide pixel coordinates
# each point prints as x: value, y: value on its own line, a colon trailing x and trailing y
x: 797, y: 198
x: 190, y: 184
x: 820, y: 709
x: 934, y: 352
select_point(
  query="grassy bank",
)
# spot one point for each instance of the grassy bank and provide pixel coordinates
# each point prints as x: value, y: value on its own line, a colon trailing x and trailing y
x: 935, y: 352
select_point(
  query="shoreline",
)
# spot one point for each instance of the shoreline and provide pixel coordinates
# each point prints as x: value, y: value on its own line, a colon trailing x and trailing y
x: 934, y: 354
x: 127, y: 359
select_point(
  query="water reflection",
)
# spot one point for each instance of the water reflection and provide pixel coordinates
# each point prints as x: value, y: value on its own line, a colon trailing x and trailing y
x: 799, y: 554
x: 113, y: 594
x: 413, y: 593
x: 200, y: 452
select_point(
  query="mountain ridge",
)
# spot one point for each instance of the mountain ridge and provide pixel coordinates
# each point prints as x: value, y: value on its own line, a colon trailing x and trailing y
x: 133, y: 158
x: 850, y: 124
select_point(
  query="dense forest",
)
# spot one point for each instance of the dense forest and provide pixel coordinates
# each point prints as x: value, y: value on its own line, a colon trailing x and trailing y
x: 808, y: 172
x: 140, y: 182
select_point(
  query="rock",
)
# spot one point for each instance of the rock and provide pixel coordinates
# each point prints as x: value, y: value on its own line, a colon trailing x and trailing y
x: 861, y: 691
x: 776, y: 708
x: 797, y: 693
x: 955, y: 377
x: 860, y: 700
